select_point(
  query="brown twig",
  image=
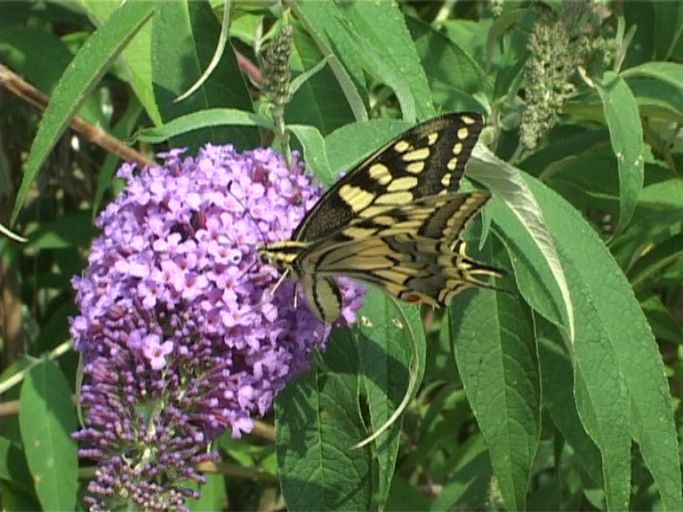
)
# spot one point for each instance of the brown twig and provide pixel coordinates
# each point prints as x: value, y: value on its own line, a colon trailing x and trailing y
x: 14, y: 83
x: 228, y: 468
x: 264, y: 431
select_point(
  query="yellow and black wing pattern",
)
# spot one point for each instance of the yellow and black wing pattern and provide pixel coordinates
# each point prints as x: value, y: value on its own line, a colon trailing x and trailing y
x: 394, y: 221
x: 426, y: 160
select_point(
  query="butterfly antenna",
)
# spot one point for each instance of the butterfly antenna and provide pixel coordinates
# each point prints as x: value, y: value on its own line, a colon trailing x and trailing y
x: 248, y: 213
x: 263, y: 239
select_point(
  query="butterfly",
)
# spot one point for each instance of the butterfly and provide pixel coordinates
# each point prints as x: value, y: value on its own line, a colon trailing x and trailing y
x: 394, y: 221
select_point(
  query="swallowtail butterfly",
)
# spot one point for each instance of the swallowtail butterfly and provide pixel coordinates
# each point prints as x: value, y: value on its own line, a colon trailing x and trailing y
x: 394, y: 221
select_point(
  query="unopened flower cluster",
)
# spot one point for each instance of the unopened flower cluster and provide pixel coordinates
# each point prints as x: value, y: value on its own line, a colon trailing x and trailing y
x: 561, y: 44
x: 181, y: 336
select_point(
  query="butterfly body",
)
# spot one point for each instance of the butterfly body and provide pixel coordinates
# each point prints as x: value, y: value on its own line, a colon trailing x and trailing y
x: 394, y: 221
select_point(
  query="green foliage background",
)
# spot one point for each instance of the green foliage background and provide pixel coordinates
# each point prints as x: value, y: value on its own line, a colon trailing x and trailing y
x: 564, y: 393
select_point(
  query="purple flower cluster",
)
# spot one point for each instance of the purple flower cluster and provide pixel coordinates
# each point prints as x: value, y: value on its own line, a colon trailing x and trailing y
x: 180, y: 333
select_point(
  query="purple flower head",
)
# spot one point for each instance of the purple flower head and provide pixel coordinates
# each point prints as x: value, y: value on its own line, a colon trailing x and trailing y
x: 180, y: 333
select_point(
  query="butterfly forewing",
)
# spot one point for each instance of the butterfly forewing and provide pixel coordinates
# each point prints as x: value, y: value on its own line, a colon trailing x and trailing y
x: 425, y: 160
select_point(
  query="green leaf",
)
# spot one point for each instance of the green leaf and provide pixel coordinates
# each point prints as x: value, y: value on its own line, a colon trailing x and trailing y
x: 454, y: 77
x: 377, y: 65
x: 73, y: 229
x: 393, y: 41
x: 184, y: 38
x: 201, y: 120
x: 319, y: 100
x: 657, y: 100
x: 321, y: 20
x: 626, y: 134
x: 318, y: 421
x: 468, y: 488
x: 47, y: 421
x: 620, y: 388
x: 663, y: 325
x: 13, y: 466
x: 388, y: 330
x: 539, y: 274
x: 669, y: 72
x: 656, y: 260
x: 390, y: 40
x: 137, y: 54
x: 494, y: 345
x: 41, y: 58
x: 86, y: 69
x: 348, y: 144
x: 314, y: 152
x: 558, y: 397
x: 122, y: 130
x: 514, y: 54
x: 212, y: 495
x: 668, y: 28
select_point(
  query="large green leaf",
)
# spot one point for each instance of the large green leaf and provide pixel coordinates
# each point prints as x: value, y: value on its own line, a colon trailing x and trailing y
x: 454, y: 77
x: 138, y: 56
x: 494, y: 345
x: 91, y: 62
x: 539, y: 274
x: 389, y: 39
x: 318, y: 421
x: 626, y: 134
x: 202, y: 120
x: 558, y: 397
x: 41, y: 58
x: 347, y: 145
x: 315, y: 155
x: 47, y: 420
x: 319, y: 100
x: 392, y: 352
x: 184, y: 38
x: 620, y: 388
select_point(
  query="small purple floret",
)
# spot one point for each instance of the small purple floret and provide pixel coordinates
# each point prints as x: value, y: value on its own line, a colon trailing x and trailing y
x: 180, y: 334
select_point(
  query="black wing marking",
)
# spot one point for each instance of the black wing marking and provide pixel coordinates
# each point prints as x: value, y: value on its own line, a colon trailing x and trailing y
x: 425, y: 160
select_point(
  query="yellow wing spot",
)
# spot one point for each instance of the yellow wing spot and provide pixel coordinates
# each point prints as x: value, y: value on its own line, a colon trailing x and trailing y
x: 467, y: 119
x: 432, y: 138
x: 384, y: 220
x: 452, y: 164
x: 457, y: 149
x: 395, y: 198
x: 356, y: 197
x: 380, y: 173
x: 402, y: 146
x: 357, y: 232
x: 402, y: 183
x: 446, y: 179
x: 391, y: 275
x: 415, y: 167
x: 417, y: 154
x: 371, y: 211
x: 463, y: 133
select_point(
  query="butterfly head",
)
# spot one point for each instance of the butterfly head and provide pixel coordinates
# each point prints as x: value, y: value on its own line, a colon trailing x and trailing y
x: 281, y: 255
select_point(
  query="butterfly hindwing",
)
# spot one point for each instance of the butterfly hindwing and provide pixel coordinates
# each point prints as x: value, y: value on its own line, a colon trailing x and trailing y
x: 425, y: 160
x: 399, y: 258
